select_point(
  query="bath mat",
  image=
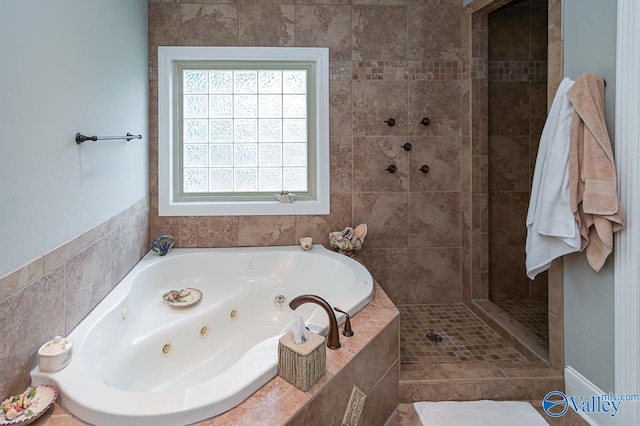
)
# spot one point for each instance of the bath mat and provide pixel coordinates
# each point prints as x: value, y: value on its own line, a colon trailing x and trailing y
x: 478, y: 413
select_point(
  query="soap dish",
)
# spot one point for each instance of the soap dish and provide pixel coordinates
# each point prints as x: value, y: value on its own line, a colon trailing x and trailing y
x: 182, y: 298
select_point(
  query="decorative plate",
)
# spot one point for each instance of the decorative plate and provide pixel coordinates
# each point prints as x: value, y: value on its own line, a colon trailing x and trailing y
x: 42, y: 397
x: 182, y: 298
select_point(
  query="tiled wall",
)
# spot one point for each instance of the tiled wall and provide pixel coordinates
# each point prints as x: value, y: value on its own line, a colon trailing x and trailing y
x: 398, y: 61
x: 556, y: 275
x: 475, y: 187
x: 510, y: 77
x: 53, y: 293
x: 517, y: 94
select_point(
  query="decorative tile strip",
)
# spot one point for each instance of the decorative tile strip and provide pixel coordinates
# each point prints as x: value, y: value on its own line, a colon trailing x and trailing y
x: 518, y: 70
x: 153, y: 70
x: 407, y: 70
x: 340, y: 70
x: 479, y: 68
x: 379, y: 70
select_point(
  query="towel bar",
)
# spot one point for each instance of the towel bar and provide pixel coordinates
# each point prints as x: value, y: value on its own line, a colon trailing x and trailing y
x: 82, y: 138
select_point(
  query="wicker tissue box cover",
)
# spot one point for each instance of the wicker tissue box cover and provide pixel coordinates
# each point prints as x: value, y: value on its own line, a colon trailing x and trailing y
x: 304, y: 364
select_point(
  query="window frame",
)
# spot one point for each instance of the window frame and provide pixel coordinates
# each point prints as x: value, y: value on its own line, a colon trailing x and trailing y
x: 170, y: 203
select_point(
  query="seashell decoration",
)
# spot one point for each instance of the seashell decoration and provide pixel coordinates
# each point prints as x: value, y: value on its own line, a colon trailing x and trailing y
x: 349, y: 240
x: 162, y: 244
x: 360, y: 232
x: 286, y: 197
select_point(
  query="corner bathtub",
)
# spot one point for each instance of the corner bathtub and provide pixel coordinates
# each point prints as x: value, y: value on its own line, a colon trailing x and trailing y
x: 221, y: 350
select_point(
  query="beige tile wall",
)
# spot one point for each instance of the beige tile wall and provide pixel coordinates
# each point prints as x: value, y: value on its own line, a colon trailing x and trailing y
x: 398, y: 59
x: 53, y: 293
x: 474, y: 106
x: 517, y: 91
x: 520, y: 82
x: 556, y: 280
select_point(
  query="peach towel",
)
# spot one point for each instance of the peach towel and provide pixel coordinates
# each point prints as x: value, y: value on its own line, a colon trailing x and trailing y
x: 592, y: 172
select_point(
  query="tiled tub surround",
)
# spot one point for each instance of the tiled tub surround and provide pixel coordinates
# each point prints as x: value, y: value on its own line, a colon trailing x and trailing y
x: 472, y: 362
x: 50, y: 295
x: 370, y: 360
x: 396, y: 61
x: 118, y: 376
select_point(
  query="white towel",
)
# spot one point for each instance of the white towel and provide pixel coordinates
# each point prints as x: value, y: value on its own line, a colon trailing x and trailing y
x: 552, y: 230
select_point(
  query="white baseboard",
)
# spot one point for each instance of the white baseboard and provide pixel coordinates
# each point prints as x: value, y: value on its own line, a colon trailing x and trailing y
x: 577, y: 385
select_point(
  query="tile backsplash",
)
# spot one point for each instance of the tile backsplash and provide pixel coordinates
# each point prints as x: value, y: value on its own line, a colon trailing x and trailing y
x: 398, y: 61
x: 53, y: 293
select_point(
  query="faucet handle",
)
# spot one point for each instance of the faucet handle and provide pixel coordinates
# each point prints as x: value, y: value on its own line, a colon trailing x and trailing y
x: 346, y: 331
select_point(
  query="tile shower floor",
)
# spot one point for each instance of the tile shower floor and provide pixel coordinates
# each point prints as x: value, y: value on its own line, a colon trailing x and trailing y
x: 471, y: 362
x: 464, y: 337
x: 531, y: 313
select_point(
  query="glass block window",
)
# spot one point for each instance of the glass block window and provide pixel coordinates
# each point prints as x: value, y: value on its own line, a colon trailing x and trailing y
x: 245, y: 130
x: 239, y: 125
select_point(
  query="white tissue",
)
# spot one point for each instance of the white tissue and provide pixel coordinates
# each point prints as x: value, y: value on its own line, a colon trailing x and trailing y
x: 299, y: 330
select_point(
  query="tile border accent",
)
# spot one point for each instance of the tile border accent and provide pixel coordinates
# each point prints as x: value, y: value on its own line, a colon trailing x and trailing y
x: 518, y: 70
x: 406, y: 70
x: 395, y: 70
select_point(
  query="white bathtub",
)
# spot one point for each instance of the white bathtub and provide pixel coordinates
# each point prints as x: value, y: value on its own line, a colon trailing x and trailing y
x: 119, y: 374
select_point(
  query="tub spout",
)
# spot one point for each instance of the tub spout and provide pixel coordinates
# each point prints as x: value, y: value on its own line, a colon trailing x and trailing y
x: 333, y: 339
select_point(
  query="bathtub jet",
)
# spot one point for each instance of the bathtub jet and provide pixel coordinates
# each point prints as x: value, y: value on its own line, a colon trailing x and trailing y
x: 140, y: 361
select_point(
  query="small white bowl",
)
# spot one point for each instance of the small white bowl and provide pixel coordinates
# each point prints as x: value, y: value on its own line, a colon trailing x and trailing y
x: 306, y: 243
x: 55, y: 354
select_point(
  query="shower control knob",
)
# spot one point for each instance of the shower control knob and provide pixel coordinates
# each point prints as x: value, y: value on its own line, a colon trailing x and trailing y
x: 391, y: 122
x: 424, y: 168
x: 391, y: 169
x: 407, y: 146
x: 425, y: 121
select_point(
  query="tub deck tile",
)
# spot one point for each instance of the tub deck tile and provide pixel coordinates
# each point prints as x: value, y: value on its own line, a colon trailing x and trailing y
x: 278, y: 402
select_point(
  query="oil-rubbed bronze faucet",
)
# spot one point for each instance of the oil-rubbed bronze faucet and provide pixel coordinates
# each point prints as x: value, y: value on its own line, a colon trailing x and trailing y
x: 333, y: 339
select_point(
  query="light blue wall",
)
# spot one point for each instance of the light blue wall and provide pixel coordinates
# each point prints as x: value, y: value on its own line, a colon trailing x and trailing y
x: 590, y: 46
x: 69, y: 66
